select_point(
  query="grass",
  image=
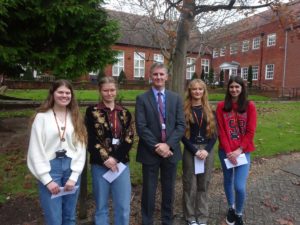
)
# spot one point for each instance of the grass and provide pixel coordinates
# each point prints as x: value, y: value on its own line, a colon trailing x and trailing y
x: 93, y: 95
x: 278, y: 131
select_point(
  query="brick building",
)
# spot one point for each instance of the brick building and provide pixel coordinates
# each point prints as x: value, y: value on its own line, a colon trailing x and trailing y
x: 269, y: 43
x: 138, y: 48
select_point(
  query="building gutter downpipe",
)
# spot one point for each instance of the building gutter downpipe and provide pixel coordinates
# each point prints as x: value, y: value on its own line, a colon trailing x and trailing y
x: 285, y: 58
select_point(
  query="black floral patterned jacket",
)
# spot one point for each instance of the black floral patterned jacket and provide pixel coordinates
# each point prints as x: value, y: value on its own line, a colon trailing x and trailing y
x: 100, y: 135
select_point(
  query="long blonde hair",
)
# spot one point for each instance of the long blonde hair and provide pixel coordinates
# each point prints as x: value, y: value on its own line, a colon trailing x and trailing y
x: 77, y: 120
x: 207, y: 110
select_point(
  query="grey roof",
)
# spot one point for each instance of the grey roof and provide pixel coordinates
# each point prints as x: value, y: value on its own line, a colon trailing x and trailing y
x: 144, y: 31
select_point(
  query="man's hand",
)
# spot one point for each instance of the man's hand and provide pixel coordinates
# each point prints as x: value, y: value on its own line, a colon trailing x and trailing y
x: 163, y: 150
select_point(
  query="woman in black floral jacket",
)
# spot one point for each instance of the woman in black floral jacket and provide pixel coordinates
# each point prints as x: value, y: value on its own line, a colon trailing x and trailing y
x: 110, y: 137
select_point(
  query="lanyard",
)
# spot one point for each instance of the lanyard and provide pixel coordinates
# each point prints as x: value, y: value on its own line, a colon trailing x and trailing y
x: 61, y: 136
x: 115, y: 124
x: 199, y: 123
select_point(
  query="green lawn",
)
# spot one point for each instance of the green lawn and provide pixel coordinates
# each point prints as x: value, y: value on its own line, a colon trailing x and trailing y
x: 278, y: 131
x: 93, y: 95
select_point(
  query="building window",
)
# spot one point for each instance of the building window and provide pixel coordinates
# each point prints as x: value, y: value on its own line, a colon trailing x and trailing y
x: 222, y: 51
x: 256, y: 43
x: 215, y: 53
x: 158, y: 58
x: 233, y: 72
x: 205, y: 66
x: 254, y: 72
x: 271, y: 41
x: 190, y: 67
x: 139, y: 64
x: 245, y: 46
x: 233, y: 48
x: 244, y: 73
x: 269, y: 72
x: 118, y: 66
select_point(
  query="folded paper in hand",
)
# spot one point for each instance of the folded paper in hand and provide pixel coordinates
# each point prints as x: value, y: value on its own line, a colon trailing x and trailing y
x: 63, y: 192
x: 199, y: 165
x: 110, y: 176
x: 241, y: 160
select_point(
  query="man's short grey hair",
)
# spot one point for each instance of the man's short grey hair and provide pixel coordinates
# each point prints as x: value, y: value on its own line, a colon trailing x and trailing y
x: 158, y: 65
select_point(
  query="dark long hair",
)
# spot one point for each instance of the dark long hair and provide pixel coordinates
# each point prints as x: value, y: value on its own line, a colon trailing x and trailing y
x: 242, y: 101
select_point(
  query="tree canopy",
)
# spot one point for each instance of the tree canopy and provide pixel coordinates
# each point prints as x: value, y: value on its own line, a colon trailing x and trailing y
x: 67, y: 37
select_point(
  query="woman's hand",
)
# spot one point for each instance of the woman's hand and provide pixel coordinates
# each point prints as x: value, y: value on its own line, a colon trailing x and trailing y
x: 69, y: 186
x: 53, y: 187
x: 111, y: 163
x: 233, y: 155
x: 202, y: 154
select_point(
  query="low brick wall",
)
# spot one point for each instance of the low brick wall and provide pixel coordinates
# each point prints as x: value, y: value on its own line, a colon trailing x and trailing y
x: 24, y: 84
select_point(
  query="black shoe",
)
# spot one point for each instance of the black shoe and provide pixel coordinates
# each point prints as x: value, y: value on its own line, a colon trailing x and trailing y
x: 230, y: 218
x: 239, y: 220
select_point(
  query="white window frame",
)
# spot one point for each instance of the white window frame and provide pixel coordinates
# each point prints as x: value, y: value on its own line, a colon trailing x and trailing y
x: 190, y: 70
x: 271, y: 40
x: 233, y: 48
x: 118, y: 66
x: 215, y: 53
x: 205, y: 66
x: 233, y: 72
x: 244, y: 73
x: 245, y: 46
x: 269, y: 74
x: 222, y: 51
x: 139, y: 64
x: 255, y: 72
x: 256, y: 43
x: 158, y: 58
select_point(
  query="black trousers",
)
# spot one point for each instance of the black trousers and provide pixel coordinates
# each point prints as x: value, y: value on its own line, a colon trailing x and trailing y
x: 150, y: 179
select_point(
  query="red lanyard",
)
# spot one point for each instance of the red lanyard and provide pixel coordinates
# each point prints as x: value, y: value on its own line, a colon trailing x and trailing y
x: 61, y: 136
x: 115, y: 124
x: 197, y: 120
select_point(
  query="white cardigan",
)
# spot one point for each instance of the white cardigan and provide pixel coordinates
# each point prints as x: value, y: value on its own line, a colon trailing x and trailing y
x: 45, y: 141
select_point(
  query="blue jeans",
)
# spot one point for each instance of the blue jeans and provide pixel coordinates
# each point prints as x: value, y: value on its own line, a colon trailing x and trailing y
x: 120, y: 190
x: 61, y: 210
x: 235, y: 180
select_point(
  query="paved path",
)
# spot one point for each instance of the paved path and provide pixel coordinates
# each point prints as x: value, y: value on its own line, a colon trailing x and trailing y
x: 273, y: 197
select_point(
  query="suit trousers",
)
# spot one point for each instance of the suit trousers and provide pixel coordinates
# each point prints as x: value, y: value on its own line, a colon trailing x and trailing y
x: 150, y: 181
x: 195, y: 188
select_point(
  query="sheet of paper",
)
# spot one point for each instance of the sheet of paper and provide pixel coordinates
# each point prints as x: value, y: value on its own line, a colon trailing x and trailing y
x: 62, y: 192
x: 241, y: 160
x: 110, y: 176
x: 199, y: 165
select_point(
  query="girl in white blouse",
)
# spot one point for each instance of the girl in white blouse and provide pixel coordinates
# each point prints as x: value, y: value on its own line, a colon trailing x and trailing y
x: 56, y: 153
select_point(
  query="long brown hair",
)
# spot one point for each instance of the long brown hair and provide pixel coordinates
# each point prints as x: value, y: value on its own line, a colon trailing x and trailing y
x: 207, y: 110
x: 77, y: 120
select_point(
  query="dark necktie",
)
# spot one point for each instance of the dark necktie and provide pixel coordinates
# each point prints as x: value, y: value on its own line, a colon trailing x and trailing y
x: 161, y: 117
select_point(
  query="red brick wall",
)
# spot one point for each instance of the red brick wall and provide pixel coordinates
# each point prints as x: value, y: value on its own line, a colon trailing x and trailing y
x: 129, y: 60
x: 270, y: 55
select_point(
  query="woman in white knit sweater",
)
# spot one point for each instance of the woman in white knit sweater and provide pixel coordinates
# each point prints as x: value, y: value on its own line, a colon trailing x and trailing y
x: 56, y: 154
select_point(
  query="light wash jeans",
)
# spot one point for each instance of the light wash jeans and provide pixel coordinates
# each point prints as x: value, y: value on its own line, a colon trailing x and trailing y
x: 61, y: 210
x: 120, y: 190
x: 235, y: 180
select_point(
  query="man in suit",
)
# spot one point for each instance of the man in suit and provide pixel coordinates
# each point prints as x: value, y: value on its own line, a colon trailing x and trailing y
x: 160, y: 125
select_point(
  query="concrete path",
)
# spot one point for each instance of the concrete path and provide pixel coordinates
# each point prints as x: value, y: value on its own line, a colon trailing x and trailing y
x: 273, y: 197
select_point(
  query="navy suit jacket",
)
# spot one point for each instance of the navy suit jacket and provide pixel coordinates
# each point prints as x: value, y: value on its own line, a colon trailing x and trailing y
x: 148, y: 126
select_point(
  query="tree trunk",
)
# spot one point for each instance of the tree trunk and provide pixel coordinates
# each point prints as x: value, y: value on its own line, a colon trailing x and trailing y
x: 183, y: 35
